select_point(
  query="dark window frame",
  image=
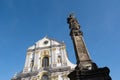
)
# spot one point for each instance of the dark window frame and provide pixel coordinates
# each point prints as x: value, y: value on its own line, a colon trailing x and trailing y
x: 45, y: 61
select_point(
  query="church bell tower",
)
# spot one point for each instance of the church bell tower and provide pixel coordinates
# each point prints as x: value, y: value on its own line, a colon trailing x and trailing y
x: 85, y: 69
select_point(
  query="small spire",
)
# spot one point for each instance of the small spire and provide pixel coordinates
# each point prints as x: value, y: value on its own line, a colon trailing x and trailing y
x: 46, y: 36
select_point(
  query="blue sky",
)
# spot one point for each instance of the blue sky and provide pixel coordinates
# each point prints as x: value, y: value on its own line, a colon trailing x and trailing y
x: 23, y: 22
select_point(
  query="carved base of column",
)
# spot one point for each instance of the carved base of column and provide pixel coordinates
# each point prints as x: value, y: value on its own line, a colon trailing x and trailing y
x: 97, y: 74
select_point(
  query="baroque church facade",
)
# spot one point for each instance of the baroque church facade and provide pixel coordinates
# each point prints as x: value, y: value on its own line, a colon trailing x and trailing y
x: 47, y: 59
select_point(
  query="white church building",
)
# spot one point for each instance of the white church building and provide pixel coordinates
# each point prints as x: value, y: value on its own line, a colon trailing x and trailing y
x: 47, y: 59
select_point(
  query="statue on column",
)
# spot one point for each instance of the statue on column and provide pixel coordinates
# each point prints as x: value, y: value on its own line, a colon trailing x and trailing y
x: 86, y: 69
x: 73, y: 22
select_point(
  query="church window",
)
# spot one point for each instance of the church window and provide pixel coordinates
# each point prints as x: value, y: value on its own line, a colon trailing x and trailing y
x: 45, y: 77
x: 45, y: 42
x: 45, y: 62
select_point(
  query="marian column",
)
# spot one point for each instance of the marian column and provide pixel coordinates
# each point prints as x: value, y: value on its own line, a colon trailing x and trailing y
x: 85, y: 69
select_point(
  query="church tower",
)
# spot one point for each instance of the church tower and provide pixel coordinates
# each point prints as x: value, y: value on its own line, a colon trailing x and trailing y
x: 46, y: 60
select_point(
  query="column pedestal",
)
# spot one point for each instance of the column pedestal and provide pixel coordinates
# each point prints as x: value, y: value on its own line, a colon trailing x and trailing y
x: 97, y: 74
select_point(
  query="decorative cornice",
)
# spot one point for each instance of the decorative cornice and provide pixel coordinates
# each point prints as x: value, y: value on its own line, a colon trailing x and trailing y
x: 39, y: 48
x: 24, y: 75
x: 34, y: 73
x: 60, y: 69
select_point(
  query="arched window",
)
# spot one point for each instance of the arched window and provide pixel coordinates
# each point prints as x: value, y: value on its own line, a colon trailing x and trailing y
x: 45, y: 62
x: 45, y: 77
